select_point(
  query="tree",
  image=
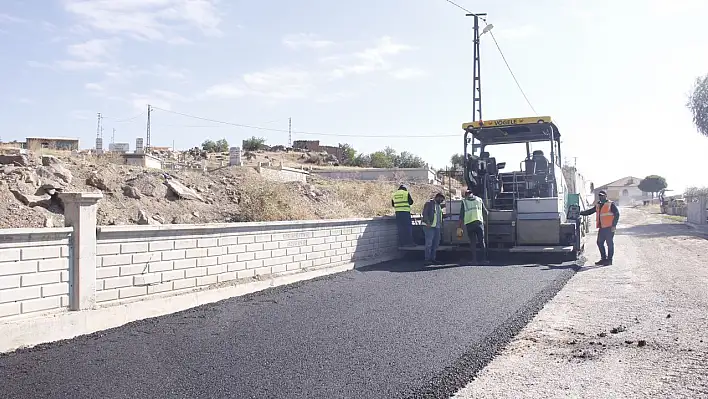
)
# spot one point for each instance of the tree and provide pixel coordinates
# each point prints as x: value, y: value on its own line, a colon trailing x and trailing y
x: 380, y: 159
x: 362, y: 161
x: 408, y: 160
x: 208, y: 145
x: 698, y: 104
x: 254, y: 143
x: 652, y: 184
x: 348, y: 154
x: 457, y: 161
x: 222, y: 145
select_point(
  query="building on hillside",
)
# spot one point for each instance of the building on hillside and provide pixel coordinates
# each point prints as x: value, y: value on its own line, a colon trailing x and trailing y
x: 624, y: 191
x: 144, y: 160
x: 52, y: 143
x: 420, y: 175
x: 314, y: 146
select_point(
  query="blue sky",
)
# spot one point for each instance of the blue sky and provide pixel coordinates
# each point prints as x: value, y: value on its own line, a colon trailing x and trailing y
x: 615, y: 75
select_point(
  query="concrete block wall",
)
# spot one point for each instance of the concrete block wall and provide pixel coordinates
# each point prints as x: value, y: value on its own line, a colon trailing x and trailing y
x: 135, y: 262
x: 283, y: 174
x: 34, y: 270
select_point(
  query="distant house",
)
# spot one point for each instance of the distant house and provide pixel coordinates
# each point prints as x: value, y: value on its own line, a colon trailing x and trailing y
x: 624, y: 191
x: 52, y: 143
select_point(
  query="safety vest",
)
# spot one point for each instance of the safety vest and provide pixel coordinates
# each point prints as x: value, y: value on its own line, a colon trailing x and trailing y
x: 437, y: 211
x: 473, y: 210
x: 604, y: 216
x: 400, y: 201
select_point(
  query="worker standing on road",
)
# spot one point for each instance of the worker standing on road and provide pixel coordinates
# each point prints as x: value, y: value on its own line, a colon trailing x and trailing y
x: 607, y: 216
x: 402, y: 202
x: 433, y: 223
x: 471, y: 216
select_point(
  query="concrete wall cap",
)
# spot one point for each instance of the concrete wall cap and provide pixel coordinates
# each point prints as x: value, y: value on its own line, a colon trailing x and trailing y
x: 81, y: 196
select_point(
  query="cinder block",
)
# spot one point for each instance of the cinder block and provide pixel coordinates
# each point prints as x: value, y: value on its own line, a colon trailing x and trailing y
x: 246, y: 239
x: 236, y: 266
x: 321, y: 261
x: 320, y: 247
x: 330, y: 252
x: 173, y: 275
x: 229, y: 276
x: 271, y: 245
x: 254, y: 247
x: 278, y: 252
x: 207, y: 242
x: 246, y: 273
x: 292, y: 251
x: 10, y: 309
x: 9, y: 255
x: 196, y: 272
x: 335, y: 245
x: 45, y: 252
x: 133, y: 247
x: 132, y: 269
x: 46, y: 265
x: 278, y: 269
x: 19, y: 294
x: 293, y: 266
x: 340, y: 251
x: 40, y: 278
x: 201, y: 262
x: 330, y: 239
x: 55, y: 289
x: 175, y: 254
x: 147, y: 279
x: 146, y: 257
x: 335, y: 232
x: 207, y: 280
x: 264, y: 254
x: 315, y: 241
x: 253, y: 264
x: 161, y: 245
x: 160, y: 266
x: 38, y: 305
x: 320, y: 233
x: 64, y: 276
x: 299, y: 257
x: 277, y: 261
x: 104, y: 296
x: 64, y: 301
x: 236, y: 249
x: 216, y: 251
x: 182, y: 284
x: 228, y: 241
x: 196, y: 253
x: 186, y: 263
x: 218, y: 269
x: 262, y: 271
x: 341, y: 238
x: 116, y: 260
x: 99, y: 285
x: 107, y: 272
x: 107, y: 249
x: 157, y: 288
x: 246, y: 256
x: 132, y: 292
x: 185, y: 244
x: 315, y: 255
x: 305, y: 249
x: 117, y: 282
x: 9, y: 282
x: 264, y: 238
x: 224, y: 259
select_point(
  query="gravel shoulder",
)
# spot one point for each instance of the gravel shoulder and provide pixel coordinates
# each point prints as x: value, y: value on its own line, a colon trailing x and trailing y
x: 637, y: 329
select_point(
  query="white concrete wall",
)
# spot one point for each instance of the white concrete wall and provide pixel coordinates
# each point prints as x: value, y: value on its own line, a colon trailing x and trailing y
x: 283, y: 174
x: 135, y: 262
x: 417, y: 175
x: 696, y: 211
x: 34, y: 270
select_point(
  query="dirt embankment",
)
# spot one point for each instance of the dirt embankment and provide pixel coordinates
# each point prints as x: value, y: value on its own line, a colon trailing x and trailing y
x: 29, y: 190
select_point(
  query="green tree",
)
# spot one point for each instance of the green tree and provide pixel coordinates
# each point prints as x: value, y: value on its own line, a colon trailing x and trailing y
x: 652, y: 184
x: 362, y: 161
x: 457, y: 161
x: 380, y: 159
x: 221, y: 145
x: 254, y: 143
x: 698, y: 104
x: 408, y: 160
x: 209, y: 146
x: 348, y: 154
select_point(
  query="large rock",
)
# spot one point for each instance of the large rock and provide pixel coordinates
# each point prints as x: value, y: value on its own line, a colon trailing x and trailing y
x: 181, y: 191
x: 17, y: 160
x: 144, y: 218
x: 32, y: 200
x: 131, y: 192
x: 54, y: 175
x: 96, y: 180
x: 55, y: 167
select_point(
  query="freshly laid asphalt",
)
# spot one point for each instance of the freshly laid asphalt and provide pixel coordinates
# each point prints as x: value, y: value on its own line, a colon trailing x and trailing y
x: 394, y: 330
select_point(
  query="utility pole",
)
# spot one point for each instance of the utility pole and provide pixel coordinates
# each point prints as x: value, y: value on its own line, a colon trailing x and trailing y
x: 476, y: 70
x: 113, y: 136
x: 290, y: 132
x: 99, y: 127
x: 147, y: 137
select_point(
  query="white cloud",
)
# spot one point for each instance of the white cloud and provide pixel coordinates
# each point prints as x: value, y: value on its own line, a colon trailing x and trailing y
x: 93, y: 49
x: 81, y: 114
x: 93, y: 87
x: 407, y: 73
x: 158, y: 98
x: 306, y: 40
x: 11, y: 19
x: 274, y: 83
x: 373, y: 59
x: 147, y: 20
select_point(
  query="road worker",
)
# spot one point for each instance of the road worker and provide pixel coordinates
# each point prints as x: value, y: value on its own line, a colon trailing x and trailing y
x: 432, y: 227
x: 472, y: 211
x: 401, y: 203
x: 607, y: 216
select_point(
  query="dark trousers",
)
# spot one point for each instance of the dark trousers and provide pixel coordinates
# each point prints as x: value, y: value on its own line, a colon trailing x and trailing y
x: 606, y: 235
x: 405, y: 229
x: 475, y: 233
x: 432, y: 242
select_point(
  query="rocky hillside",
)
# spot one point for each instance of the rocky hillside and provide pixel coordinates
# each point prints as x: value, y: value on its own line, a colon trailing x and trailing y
x: 29, y: 187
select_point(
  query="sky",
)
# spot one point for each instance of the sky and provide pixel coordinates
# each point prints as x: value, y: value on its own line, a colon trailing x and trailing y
x: 614, y: 75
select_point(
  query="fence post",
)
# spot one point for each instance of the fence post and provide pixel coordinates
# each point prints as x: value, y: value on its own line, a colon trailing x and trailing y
x: 80, y: 213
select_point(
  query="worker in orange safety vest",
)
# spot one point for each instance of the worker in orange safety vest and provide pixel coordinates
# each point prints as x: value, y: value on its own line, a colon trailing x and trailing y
x: 606, y: 218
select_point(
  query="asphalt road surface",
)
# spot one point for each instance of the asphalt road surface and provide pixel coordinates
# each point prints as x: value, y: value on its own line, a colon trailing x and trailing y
x: 395, y: 330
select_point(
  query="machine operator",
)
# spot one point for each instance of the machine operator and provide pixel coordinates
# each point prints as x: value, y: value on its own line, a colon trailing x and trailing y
x: 607, y: 216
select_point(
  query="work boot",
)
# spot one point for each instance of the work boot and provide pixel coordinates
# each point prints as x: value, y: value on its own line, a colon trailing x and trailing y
x: 608, y: 262
x: 601, y: 262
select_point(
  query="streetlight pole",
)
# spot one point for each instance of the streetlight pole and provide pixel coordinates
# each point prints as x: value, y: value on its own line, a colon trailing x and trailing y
x: 476, y: 70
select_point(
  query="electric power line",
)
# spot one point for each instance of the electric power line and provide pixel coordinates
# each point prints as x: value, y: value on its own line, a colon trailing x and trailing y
x: 125, y: 119
x: 294, y: 131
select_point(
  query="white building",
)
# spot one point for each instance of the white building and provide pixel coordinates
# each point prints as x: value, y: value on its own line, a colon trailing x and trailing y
x: 624, y: 191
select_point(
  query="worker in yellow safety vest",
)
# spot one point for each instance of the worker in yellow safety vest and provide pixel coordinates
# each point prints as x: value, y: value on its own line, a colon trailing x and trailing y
x: 432, y: 227
x: 401, y: 203
x: 606, y: 219
x: 472, y: 212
